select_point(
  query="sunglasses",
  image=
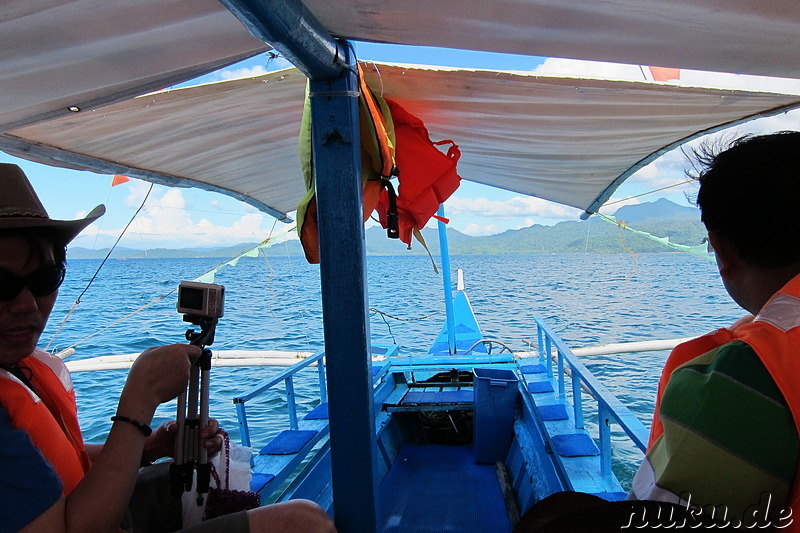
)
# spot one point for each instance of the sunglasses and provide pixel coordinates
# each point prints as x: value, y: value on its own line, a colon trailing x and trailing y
x: 41, y: 282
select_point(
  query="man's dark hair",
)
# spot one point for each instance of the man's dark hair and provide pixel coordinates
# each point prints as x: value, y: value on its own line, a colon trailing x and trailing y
x: 750, y: 194
x: 39, y: 240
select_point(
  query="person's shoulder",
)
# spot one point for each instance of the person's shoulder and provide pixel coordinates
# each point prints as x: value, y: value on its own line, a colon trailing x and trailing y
x: 738, y: 361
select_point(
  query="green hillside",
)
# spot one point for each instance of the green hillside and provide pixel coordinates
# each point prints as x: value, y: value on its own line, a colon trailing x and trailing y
x: 661, y: 219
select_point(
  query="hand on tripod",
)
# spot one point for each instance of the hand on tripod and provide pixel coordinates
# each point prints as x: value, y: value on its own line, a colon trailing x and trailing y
x: 162, y: 442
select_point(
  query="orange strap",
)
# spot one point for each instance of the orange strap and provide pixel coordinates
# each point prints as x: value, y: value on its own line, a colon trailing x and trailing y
x: 387, y: 152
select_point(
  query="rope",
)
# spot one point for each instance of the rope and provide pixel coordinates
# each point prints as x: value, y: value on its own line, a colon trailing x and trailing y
x: 648, y: 192
x: 620, y: 227
x: 375, y: 310
x: 389, y: 327
x: 96, y: 272
x: 269, y: 279
x: 145, y: 306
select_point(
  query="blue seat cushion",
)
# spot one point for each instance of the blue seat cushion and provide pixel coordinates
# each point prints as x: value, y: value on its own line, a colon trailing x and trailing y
x: 540, y: 386
x: 532, y: 369
x: 259, y: 481
x: 288, y: 442
x: 320, y: 412
x: 575, y: 445
x: 557, y: 411
x: 612, y: 496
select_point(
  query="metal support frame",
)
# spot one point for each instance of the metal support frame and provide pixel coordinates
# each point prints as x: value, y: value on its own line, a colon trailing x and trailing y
x: 295, y: 32
x: 331, y: 66
x: 337, y: 164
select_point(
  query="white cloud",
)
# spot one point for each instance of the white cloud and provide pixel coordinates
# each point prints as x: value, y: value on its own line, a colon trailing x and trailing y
x: 259, y: 70
x: 476, y: 230
x: 244, y: 72
x: 166, y: 221
x: 518, y: 206
x: 669, y: 171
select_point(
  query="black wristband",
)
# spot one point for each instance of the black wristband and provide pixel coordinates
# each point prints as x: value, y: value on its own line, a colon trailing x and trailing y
x: 141, y: 426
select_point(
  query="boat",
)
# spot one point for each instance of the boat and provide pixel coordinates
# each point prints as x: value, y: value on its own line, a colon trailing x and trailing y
x: 463, y: 435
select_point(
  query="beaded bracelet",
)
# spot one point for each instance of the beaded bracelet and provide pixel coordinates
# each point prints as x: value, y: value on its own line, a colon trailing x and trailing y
x: 141, y: 426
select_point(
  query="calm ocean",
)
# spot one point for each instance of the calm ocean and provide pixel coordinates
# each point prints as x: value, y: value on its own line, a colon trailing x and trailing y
x: 273, y: 303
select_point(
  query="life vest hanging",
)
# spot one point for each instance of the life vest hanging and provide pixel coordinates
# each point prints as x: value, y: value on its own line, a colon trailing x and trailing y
x: 377, y: 163
x: 393, y: 143
x: 427, y: 176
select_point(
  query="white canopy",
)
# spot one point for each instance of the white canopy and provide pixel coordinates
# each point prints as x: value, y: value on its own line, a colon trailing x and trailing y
x: 60, y: 53
x: 565, y: 140
x: 55, y: 54
x: 66, y: 58
x: 740, y: 36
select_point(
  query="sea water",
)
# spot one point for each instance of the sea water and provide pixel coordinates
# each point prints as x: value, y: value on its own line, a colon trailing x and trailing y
x: 273, y: 303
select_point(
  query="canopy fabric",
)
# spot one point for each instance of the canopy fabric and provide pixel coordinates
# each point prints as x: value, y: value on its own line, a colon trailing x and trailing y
x: 561, y: 139
x: 55, y: 54
x: 60, y: 53
x: 739, y: 36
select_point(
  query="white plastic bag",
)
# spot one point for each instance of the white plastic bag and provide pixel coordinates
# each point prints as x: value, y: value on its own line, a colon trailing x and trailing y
x: 239, y: 472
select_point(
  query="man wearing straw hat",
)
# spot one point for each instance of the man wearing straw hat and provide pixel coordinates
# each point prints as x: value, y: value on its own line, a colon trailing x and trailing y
x: 51, y: 481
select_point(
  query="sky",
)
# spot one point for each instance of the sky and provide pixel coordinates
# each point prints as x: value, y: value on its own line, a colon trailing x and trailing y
x: 186, y: 217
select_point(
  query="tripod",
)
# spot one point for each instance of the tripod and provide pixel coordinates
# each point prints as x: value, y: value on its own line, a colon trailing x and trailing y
x: 192, y: 416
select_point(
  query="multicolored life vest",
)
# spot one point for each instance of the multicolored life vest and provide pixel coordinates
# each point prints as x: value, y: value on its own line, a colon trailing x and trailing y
x: 394, y: 143
x: 774, y: 335
x: 48, y: 413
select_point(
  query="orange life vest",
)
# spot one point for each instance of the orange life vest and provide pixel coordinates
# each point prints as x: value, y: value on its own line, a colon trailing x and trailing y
x: 48, y: 414
x: 393, y: 143
x: 377, y: 163
x: 427, y: 176
x: 774, y: 336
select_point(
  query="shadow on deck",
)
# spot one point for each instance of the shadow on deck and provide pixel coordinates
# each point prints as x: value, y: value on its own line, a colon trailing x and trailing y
x: 436, y: 488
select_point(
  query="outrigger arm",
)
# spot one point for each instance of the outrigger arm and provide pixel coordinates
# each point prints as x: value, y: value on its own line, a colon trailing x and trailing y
x: 330, y: 64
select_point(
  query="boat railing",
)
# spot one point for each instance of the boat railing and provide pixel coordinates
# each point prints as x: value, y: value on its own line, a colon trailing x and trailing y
x: 561, y: 362
x: 287, y: 378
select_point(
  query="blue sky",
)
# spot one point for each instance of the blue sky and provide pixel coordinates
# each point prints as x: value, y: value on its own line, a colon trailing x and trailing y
x: 179, y: 218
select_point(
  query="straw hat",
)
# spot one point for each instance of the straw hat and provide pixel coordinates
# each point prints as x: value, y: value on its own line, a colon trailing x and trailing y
x: 20, y: 207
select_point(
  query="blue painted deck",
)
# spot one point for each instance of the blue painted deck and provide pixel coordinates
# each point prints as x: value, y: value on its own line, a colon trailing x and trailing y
x: 428, y: 476
x: 434, y: 488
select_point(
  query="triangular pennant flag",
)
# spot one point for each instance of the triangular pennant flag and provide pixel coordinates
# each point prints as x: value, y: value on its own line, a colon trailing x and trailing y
x: 119, y: 179
x: 665, y: 73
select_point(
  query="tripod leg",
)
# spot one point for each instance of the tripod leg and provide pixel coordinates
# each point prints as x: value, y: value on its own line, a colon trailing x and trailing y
x: 177, y: 471
x: 203, y: 466
x: 191, y: 438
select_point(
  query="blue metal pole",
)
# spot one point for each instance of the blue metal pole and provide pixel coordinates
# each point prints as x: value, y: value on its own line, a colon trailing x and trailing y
x: 448, y: 283
x: 337, y: 165
x: 330, y: 65
x: 295, y: 32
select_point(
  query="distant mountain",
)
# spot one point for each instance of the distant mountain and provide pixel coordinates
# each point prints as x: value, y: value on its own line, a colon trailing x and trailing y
x: 661, y: 219
x: 661, y: 209
x: 166, y: 253
x: 379, y: 244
